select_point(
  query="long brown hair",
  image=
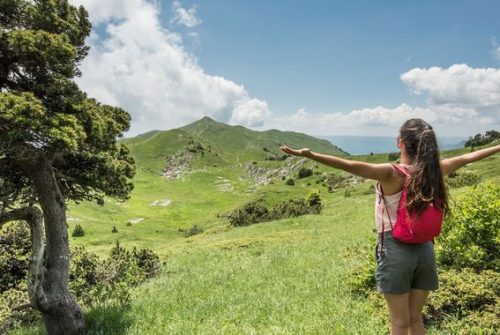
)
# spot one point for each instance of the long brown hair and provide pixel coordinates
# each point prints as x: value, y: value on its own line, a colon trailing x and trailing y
x: 425, y: 184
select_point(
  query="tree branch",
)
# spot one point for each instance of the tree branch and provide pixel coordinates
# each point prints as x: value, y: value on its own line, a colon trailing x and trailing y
x: 34, y: 217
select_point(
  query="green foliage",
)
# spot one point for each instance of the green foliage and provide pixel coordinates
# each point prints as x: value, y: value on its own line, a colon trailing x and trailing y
x: 361, y: 276
x: 370, y: 190
x: 44, y: 113
x: 480, y: 139
x: 94, y: 282
x: 194, y: 230
x: 471, y: 234
x: 11, y: 315
x: 304, y: 173
x: 290, y: 182
x: 255, y: 212
x: 78, y: 231
x: 251, y: 213
x: 347, y: 192
x: 468, y: 254
x: 15, y: 250
x: 314, y: 201
x: 465, y: 178
x: 469, y: 295
x: 394, y: 156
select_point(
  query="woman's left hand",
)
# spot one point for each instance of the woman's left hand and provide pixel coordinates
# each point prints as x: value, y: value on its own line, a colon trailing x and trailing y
x: 301, y: 152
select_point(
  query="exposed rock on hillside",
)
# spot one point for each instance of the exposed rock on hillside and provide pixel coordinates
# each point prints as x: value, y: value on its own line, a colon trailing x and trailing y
x: 223, y: 185
x: 178, y: 164
x: 265, y: 175
x: 162, y: 203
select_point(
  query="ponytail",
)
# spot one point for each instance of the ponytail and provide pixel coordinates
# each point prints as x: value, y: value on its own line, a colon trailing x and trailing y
x: 425, y: 185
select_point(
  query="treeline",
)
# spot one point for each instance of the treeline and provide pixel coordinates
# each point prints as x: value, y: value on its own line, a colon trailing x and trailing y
x: 480, y: 139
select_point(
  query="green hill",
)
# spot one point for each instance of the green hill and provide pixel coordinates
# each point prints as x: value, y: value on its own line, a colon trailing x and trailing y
x: 281, y: 277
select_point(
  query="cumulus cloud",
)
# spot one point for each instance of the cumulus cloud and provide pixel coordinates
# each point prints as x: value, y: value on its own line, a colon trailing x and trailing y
x: 144, y: 68
x: 381, y: 121
x: 186, y: 17
x: 459, y: 85
x: 461, y: 101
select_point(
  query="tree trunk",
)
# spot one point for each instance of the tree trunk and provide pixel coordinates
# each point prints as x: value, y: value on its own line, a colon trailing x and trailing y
x: 34, y: 217
x: 61, y: 313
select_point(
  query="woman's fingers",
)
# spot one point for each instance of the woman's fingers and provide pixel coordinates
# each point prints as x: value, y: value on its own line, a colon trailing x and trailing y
x: 292, y: 151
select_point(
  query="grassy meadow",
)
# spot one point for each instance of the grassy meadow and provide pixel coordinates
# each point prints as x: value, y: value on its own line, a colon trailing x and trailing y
x: 281, y: 277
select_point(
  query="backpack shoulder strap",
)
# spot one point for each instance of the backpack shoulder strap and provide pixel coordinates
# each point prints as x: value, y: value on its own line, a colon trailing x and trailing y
x: 401, y: 169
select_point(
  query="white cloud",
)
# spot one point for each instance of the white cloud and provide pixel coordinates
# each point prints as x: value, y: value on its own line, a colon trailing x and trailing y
x: 381, y: 121
x: 144, y: 68
x: 459, y: 85
x: 186, y: 17
x: 250, y: 113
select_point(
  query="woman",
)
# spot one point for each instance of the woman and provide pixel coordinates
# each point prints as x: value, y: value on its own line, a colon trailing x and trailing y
x: 406, y: 273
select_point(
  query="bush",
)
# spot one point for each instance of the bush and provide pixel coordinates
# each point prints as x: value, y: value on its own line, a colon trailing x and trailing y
x: 466, y: 293
x: 465, y: 178
x: 290, y: 182
x: 94, y: 282
x: 78, y: 231
x: 15, y: 250
x: 193, y: 231
x: 314, y: 201
x: 250, y: 213
x: 114, y: 230
x: 394, y: 156
x: 479, y: 139
x: 304, y: 173
x: 471, y: 234
x: 256, y: 212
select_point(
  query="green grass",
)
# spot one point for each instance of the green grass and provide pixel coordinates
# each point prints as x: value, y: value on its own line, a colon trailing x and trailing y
x: 281, y: 277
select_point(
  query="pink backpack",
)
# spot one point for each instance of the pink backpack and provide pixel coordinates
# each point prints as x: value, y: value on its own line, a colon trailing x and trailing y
x: 415, y: 229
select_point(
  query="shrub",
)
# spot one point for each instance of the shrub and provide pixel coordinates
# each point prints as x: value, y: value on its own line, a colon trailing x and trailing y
x: 250, y: 213
x: 314, y: 201
x: 394, y: 156
x: 347, y: 192
x: 304, y: 173
x: 15, y: 250
x: 465, y: 293
x: 114, y: 230
x: 290, y: 182
x: 193, y: 231
x: 370, y: 190
x: 256, y: 212
x: 471, y: 234
x: 465, y: 178
x: 78, y: 231
x: 361, y: 277
x: 94, y: 282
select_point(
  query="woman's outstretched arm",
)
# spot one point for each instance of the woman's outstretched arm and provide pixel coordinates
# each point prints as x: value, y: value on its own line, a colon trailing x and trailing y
x: 381, y: 172
x: 450, y: 165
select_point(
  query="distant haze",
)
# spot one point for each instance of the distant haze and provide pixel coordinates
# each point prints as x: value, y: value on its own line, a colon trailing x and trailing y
x: 362, y: 145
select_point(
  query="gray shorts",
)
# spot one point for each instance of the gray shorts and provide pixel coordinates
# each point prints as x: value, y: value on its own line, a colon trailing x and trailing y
x: 402, y: 266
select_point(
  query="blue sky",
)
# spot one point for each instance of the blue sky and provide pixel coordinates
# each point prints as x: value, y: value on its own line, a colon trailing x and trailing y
x: 340, y: 55
x: 320, y: 67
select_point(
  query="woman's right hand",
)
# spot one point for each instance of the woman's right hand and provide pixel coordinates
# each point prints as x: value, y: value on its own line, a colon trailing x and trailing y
x: 300, y: 152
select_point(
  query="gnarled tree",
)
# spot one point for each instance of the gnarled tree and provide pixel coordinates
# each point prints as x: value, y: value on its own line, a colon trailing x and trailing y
x: 56, y: 144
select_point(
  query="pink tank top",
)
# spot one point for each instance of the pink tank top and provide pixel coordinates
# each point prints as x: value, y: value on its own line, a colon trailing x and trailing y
x: 382, y: 215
